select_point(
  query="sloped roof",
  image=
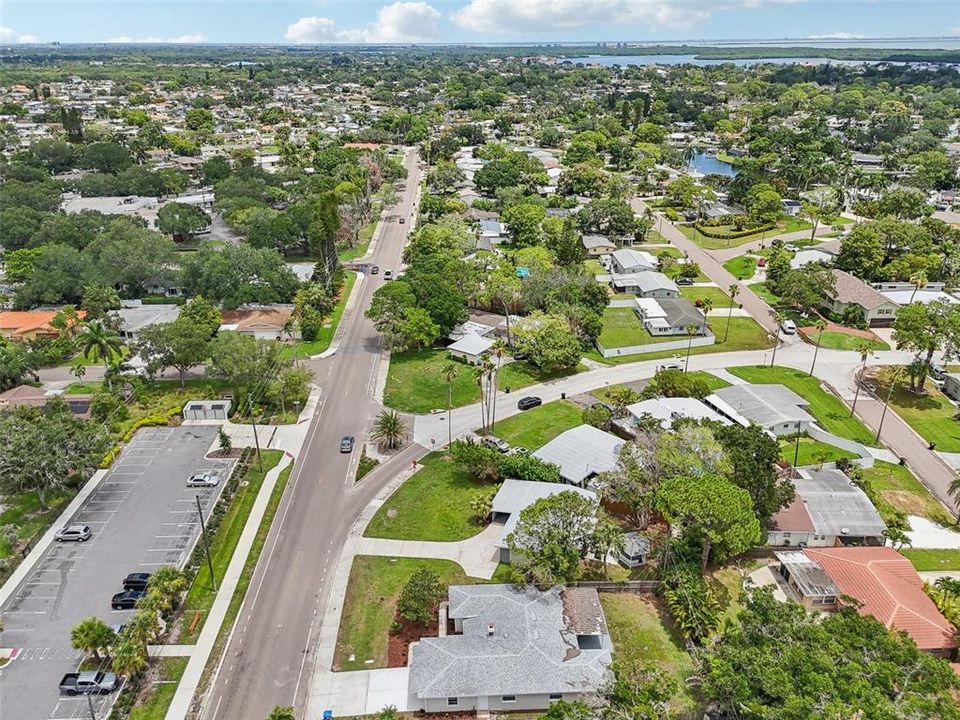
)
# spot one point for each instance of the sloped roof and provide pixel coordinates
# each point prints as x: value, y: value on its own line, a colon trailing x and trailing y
x: 836, y: 505
x: 471, y: 344
x: 851, y: 290
x: 889, y: 589
x: 22, y: 322
x: 764, y: 404
x: 515, y: 496
x: 581, y: 452
x: 274, y: 317
x: 627, y: 257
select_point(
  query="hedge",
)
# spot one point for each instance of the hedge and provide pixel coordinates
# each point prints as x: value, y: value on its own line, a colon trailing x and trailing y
x: 706, y: 231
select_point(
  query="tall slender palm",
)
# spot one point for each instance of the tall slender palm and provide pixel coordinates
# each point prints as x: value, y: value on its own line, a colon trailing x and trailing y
x: 449, y: 373
x: 918, y: 280
x: 79, y: 371
x: 954, y: 491
x: 389, y: 429
x: 734, y: 290
x: 99, y: 343
x: 863, y: 348
x: 706, y: 306
x: 499, y: 350
x: 691, y: 331
x: 821, y: 326
x: 779, y: 317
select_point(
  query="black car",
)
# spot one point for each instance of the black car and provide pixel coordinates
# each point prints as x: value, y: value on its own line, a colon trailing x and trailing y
x: 346, y: 444
x: 375, y: 270
x: 684, y: 281
x: 126, y: 600
x: 529, y: 402
x: 136, y: 581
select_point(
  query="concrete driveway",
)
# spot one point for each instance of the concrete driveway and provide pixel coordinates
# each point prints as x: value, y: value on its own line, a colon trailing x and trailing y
x: 142, y: 516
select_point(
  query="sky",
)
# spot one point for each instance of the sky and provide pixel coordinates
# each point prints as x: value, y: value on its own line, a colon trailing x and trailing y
x: 456, y: 21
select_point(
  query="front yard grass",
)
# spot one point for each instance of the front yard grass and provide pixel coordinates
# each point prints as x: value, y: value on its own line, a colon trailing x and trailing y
x: 924, y: 559
x: 812, y: 452
x: 154, y: 707
x: 325, y: 336
x: 899, y: 487
x: 742, y: 268
x: 787, y: 225
x: 642, y: 634
x: 930, y: 415
x: 432, y: 504
x: 833, y: 340
x: 718, y: 297
x: 831, y: 413
x: 534, y: 428
x: 371, y: 605
x: 760, y: 290
x: 622, y: 328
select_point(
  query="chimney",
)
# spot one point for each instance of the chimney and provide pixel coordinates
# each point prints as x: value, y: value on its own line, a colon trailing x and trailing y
x: 490, y: 630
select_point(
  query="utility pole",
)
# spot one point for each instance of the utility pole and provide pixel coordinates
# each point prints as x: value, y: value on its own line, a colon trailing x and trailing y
x: 893, y: 382
x: 206, y: 545
x: 256, y: 438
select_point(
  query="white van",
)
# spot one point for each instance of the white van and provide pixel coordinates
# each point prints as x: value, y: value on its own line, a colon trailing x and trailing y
x: 789, y: 327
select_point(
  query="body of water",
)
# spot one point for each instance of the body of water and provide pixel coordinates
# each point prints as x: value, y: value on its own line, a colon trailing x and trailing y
x: 625, y: 60
x: 709, y: 165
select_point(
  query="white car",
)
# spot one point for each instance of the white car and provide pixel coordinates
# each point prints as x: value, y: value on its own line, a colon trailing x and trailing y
x: 203, y: 479
x: 789, y: 327
x: 670, y: 365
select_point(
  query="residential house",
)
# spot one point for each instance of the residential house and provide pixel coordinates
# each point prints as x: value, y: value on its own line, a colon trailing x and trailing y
x: 627, y: 260
x: 812, y: 255
x: 597, y: 245
x: 670, y: 316
x: 865, y: 160
x: 775, y: 408
x: 471, y: 348
x: 24, y: 325
x: 647, y: 284
x: 851, y: 291
x: 23, y: 396
x: 515, y: 496
x: 901, y: 293
x: 512, y: 648
x: 133, y: 318
x: 268, y: 322
x: 582, y: 453
x: 828, y: 509
x: 670, y: 409
x: 635, y: 551
x: 791, y: 207
x: 493, y: 231
x: 882, y: 581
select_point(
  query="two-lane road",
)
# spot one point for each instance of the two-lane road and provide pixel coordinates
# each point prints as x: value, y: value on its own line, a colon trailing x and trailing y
x: 269, y: 657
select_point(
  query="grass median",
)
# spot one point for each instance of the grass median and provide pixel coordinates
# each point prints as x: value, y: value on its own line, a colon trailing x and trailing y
x: 155, y: 703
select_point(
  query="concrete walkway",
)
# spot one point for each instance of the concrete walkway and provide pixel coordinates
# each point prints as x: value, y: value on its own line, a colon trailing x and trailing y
x: 159, y: 651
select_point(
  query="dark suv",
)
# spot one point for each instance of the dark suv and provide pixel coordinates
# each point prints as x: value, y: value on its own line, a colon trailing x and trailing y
x: 126, y: 600
x: 136, y: 581
x: 529, y: 402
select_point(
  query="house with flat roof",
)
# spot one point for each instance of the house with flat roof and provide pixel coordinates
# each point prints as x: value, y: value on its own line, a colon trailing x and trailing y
x: 775, y: 408
x: 581, y: 453
x: 515, y: 496
x: 627, y: 260
x: 901, y: 293
x: 669, y: 316
x: 512, y: 648
x: 670, y: 409
x: 850, y: 291
x: 828, y: 509
x: 882, y: 581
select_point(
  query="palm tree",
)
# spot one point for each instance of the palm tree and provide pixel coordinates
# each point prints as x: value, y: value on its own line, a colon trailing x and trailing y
x: 499, y: 350
x: 778, y: 317
x: 706, y: 306
x: 389, y: 429
x: 954, y: 491
x: 734, y: 290
x: 99, y: 343
x: 821, y: 326
x: 918, y: 280
x: 864, y: 347
x: 90, y: 635
x: 895, y: 374
x: 607, y: 538
x: 143, y: 627
x: 128, y: 658
x: 79, y: 371
x: 691, y: 331
x: 449, y: 373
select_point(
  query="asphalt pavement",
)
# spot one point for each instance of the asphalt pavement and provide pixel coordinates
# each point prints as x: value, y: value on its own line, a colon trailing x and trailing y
x: 142, y: 516
x: 269, y: 658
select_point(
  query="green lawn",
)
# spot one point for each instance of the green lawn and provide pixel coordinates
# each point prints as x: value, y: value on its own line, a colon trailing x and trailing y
x: 370, y: 606
x: 329, y: 329
x: 931, y: 415
x: 594, y: 267
x: 200, y: 596
x: 643, y: 634
x: 831, y: 413
x: 24, y: 513
x: 742, y: 267
x: 622, y: 328
x: 670, y: 250
x: 812, y: 452
x: 81, y: 359
x: 760, y: 290
x: 712, y: 381
x: 718, y: 297
x: 534, y: 428
x: 170, y: 670
x: 433, y: 504
x: 932, y: 560
x: 788, y: 225
x: 415, y: 382
x: 844, y: 341
x: 898, y: 486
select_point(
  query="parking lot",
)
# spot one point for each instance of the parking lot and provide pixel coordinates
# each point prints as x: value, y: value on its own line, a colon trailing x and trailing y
x: 142, y: 516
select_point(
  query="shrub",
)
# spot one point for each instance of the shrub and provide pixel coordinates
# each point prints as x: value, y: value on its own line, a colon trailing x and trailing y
x: 527, y: 467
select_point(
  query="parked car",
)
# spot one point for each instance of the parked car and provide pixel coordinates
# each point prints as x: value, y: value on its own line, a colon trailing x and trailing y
x: 789, y: 327
x: 205, y: 478
x: 684, y: 281
x: 520, y: 356
x: 375, y: 270
x: 762, y: 262
x: 495, y: 443
x: 937, y: 372
x: 790, y: 247
x: 88, y: 682
x: 136, y: 581
x: 126, y: 600
x: 402, y: 220
x: 388, y: 274
x: 73, y: 533
x: 670, y: 365
x: 346, y: 444
x: 529, y: 402
x: 520, y: 450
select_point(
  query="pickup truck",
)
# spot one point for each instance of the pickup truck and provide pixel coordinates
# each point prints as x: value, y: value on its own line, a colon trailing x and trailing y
x: 87, y: 682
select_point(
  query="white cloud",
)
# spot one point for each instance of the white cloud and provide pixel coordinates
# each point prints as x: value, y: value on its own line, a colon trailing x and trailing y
x: 9, y: 36
x: 178, y: 40
x: 835, y: 36
x: 541, y: 16
x: 955, y: 30
x: 400, y: 22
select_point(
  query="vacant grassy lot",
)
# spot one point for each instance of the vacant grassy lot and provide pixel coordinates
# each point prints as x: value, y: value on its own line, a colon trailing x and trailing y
x: 842, y: 341
x: 329, y: 329
x: 742, y: 268
x: 534, y: 428
x: 718, y: 297
x: 812, y: 452
x: 156, y: 705
x: 433, y: 504
x: 622, y: 328
x: 932, y: 560
x: 371, y: 605
x: 898, y: 486
x: 415, y: 381
x: 786, y: 225
x: 831, y: 413
x: 642, y: 633
x: 931, y: 415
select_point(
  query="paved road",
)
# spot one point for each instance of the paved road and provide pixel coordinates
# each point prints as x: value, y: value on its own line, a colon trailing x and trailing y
x: 142, y: 516
x: 269, y: 658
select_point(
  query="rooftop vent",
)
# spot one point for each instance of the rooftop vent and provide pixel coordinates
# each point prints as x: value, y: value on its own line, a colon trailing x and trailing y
x: 490, y: 630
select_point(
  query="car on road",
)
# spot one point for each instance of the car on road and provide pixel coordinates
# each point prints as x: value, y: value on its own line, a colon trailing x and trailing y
x: 126, y: 600
x: 73, y: 533
x: 204, y: 478
x: 136, y: 581
x: 388, y: 274
x: 495, y: 443
x: 346, y: 444
x: 670, y: 365
x: 684, y: 281
x: 789, y: 327
x: 402, y: 220
x: 528, y: 402
x: 375, y: 270
x: 89, y: 682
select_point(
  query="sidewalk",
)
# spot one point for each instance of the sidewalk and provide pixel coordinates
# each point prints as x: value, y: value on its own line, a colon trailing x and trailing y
x: 478, y: 555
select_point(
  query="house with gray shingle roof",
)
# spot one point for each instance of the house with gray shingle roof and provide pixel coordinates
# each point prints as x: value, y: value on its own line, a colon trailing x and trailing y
x: 512, y: 648
x: 850, y: 291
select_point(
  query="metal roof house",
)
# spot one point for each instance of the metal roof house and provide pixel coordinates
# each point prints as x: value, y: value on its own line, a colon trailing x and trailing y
x: 775, y: 408
x: 513, y: 648
x: 581, y: 453
x: 669, y: 316
x: 471, y: 348
x: 669, y: 409
x: 596, y: 245
x: 626, y: 260
x: 646, y: 284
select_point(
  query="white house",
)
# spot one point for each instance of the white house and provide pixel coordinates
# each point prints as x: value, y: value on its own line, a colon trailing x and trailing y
x: 471, y: 348
x: 626, y: 260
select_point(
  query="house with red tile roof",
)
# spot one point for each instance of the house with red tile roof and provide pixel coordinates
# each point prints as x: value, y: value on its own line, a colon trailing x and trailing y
x: 23, y: 325
x: 880, y: 579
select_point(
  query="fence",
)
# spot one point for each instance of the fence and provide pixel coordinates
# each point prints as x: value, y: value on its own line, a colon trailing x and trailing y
x: 634, y: 586
x: 680, y: 344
